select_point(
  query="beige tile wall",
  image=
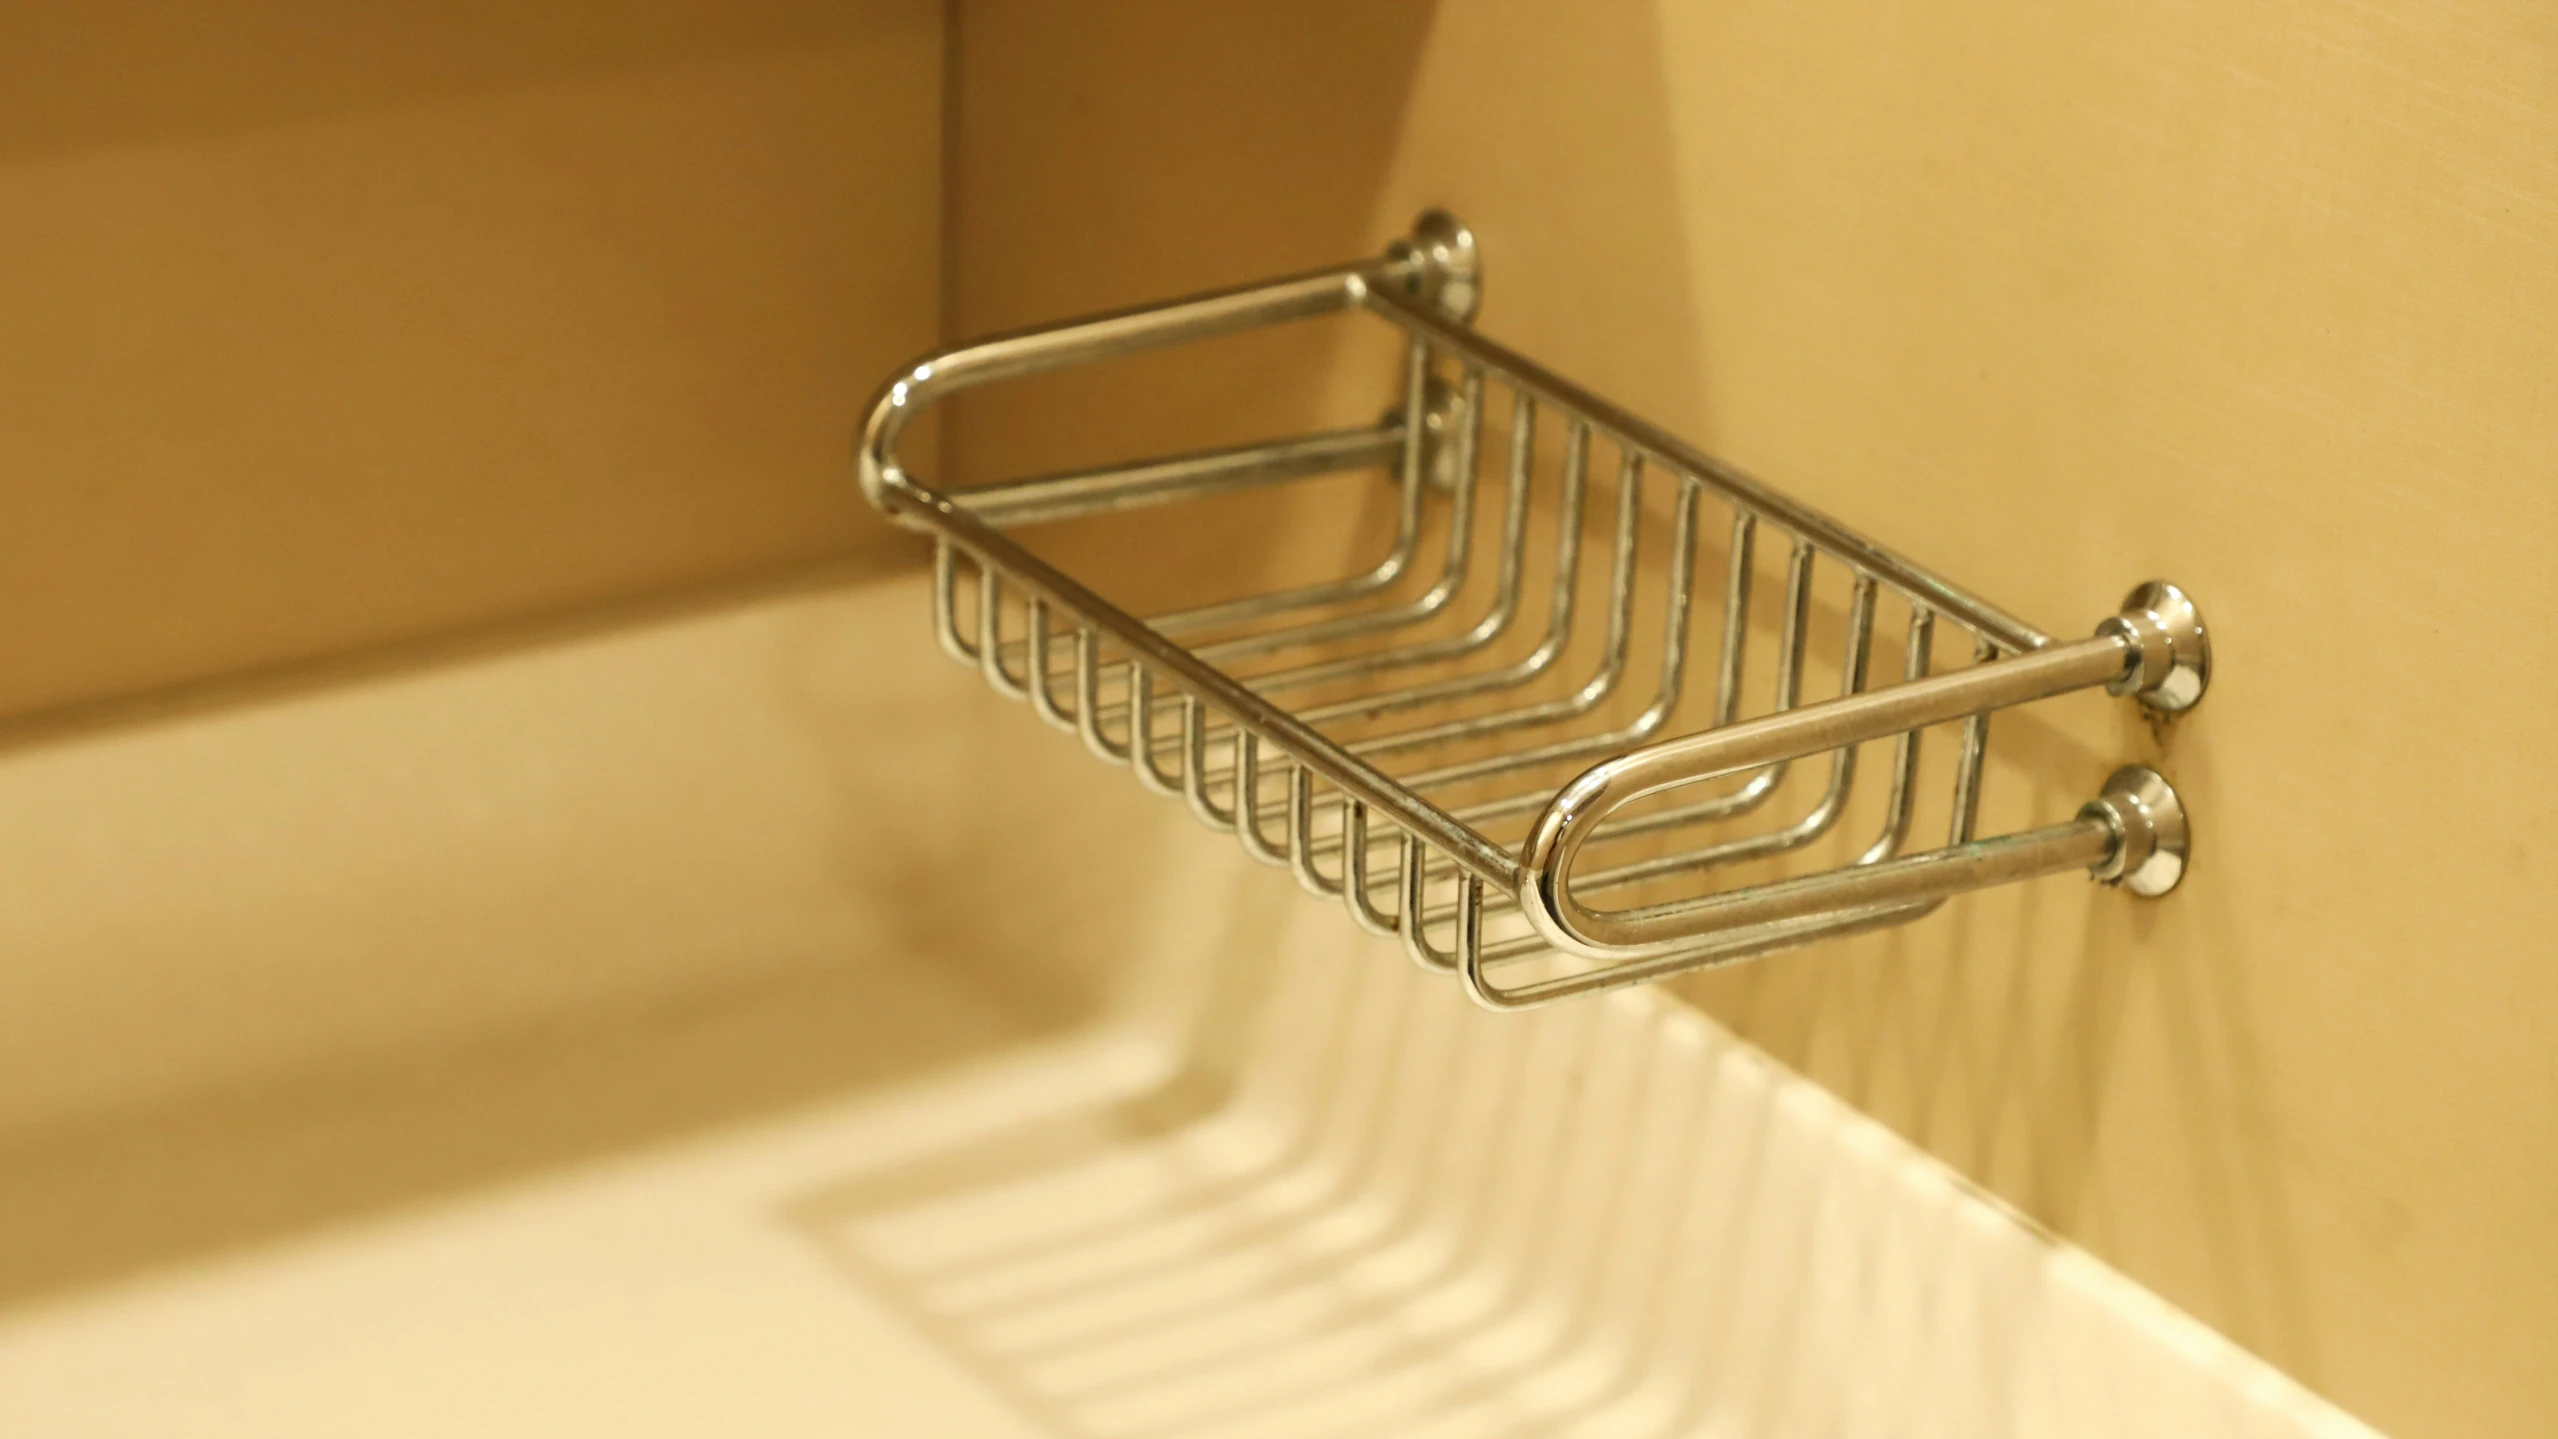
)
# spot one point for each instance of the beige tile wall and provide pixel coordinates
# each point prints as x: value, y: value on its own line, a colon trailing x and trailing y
x: 330, y: 327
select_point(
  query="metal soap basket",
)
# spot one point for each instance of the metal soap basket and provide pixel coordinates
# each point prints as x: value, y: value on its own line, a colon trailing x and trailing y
x: 1438, y: 770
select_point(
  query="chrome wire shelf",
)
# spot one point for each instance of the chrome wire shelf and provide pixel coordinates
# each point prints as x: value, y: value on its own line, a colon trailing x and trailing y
x: 1440, y: 758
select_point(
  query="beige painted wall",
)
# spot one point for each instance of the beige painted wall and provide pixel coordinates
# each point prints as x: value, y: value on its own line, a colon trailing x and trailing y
x: 2264, y: 299
x: 335, y: 326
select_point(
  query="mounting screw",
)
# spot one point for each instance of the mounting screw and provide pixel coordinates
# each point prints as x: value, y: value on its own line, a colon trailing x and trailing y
x: 2171, y: 653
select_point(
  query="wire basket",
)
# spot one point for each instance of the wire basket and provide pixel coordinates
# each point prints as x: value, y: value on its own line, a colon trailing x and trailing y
x: 1580, y: 673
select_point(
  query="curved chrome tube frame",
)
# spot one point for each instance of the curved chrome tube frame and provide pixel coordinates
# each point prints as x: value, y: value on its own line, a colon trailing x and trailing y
x: 1392, y: 846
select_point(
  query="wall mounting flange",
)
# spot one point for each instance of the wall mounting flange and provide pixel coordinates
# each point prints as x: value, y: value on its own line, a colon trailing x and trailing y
x: 2172, y: 653
x: 1450, y: 272
x: 2153, y: 842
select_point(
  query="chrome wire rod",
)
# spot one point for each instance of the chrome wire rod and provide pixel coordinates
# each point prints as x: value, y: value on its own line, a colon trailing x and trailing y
x: 1939, y: 594
x: 2120, y: 657
x: 1463, y: 417
x: 1788, y: 687
x: 1115, y: 489
x: 1537, y: 661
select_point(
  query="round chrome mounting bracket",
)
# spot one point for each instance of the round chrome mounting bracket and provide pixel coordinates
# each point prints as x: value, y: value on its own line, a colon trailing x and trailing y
x: 1450, y: 269
x: 2171, y: 652
x: 2152, y: 840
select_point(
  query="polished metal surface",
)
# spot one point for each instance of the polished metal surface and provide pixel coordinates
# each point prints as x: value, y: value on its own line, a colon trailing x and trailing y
x: 1444, y: 266
x: 1112, y: 488
x: 1517, y: 677
x: 2172, y: 661
x: 2148, y: 819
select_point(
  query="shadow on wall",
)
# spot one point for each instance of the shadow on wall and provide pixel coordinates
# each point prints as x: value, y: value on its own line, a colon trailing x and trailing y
x: 1387, y: 1219
x: 1989, y: 1033
x: 1400, y: 1215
